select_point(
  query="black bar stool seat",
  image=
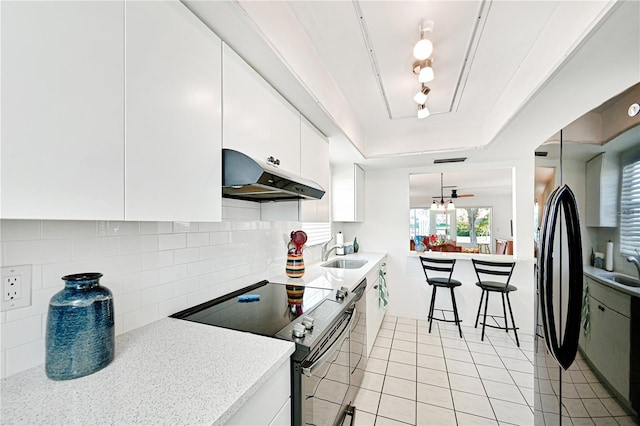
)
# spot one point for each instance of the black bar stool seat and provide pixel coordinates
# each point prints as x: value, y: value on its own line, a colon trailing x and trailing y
x: 488, y: 273
x: 442, y: 266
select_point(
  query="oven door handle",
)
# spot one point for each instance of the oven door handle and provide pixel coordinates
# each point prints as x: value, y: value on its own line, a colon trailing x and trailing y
x: 308, y: 371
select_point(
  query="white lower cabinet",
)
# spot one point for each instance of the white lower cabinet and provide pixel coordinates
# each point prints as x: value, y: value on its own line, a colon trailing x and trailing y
x: 607, y: 346
x: 271, y: 404
x: 173, y: 115
x: 375, y: 309
x: 62, y: 110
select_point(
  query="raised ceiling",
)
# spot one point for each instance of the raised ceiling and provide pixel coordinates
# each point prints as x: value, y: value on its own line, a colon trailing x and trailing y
x: 346, y: 65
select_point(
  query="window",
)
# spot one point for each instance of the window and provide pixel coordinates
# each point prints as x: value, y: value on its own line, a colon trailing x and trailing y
x: 473, y: 225
x: 317, y: 232
x: 419, y: 220
x: 630, y: 208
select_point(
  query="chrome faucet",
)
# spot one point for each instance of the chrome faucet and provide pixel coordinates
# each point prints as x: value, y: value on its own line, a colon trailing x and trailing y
x: 325, y: 251
x: 634, y: 260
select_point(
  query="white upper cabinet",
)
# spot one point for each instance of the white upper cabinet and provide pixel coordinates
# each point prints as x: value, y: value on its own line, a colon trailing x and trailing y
x: 314, y: 162
x: 173, y: 115
x: 257, y: 120
x: 62, y: 110
x: 347, y: 186
x: 603, y: 179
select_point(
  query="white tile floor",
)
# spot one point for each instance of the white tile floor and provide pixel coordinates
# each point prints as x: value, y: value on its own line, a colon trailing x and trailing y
x: 418, y: 378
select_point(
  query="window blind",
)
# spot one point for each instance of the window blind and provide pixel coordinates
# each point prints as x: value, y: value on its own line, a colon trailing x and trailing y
x: 630, y: 209
x: 317, y: 232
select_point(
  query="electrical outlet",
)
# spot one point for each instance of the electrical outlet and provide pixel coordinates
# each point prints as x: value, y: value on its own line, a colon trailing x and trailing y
x: 16, y: 287
x: 12, y: 287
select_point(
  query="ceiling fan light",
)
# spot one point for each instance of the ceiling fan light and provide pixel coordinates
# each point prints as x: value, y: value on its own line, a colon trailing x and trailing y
x: 423, y: 49
x: 423, y: 111
x: 450, y: 205
x: 434, y: 205
x: 426, y: 73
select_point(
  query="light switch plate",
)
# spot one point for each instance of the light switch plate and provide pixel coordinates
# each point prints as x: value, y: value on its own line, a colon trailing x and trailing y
x: 16, y: 287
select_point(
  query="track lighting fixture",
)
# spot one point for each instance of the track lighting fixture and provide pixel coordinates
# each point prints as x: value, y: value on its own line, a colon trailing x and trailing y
x: 422, y: 67
x: 421, y: 96
x: 424, y: 48
x: 423, y: 111
x: 423, y: 70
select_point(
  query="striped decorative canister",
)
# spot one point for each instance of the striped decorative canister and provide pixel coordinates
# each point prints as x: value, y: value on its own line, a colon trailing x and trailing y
x: 295, y: 265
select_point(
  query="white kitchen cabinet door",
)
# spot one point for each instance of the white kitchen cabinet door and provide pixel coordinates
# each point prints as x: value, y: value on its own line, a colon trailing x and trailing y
x: 314, y: 153
x: 603, y: 179
x: 257, y: 120
x: 347, y: 186
x: 62, y: 110
x: 173, y: 115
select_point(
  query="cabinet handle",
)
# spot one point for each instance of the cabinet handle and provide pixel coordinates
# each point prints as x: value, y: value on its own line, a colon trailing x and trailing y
x: 601, y: 308
x: 375, y: 287
x: 275, y: 161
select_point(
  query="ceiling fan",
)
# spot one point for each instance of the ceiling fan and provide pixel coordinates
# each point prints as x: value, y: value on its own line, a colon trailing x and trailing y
x: 441, y: 205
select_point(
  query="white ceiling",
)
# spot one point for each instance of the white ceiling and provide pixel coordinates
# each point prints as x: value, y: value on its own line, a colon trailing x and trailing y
x: 493, y: 59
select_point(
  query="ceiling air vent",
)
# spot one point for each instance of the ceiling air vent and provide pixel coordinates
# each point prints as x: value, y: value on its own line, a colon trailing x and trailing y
x: 541, y: 153
x: 450, y: 160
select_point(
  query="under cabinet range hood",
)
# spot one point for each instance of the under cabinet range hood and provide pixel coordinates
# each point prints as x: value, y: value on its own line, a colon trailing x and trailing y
x: 246, y: 178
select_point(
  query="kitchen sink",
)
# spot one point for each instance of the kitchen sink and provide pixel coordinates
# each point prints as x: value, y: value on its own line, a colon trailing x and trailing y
x: 345, y: 263
x: 621, y: 279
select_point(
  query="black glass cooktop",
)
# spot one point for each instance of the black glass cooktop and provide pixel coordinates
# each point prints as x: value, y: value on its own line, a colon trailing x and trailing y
x: 263, y: 308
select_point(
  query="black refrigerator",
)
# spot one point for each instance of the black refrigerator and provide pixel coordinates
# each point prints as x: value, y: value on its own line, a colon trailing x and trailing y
x: 569, y: 388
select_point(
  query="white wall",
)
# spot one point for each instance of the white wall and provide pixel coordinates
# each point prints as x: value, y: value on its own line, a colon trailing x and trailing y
x: 386, y: 227
x: 154, y: 269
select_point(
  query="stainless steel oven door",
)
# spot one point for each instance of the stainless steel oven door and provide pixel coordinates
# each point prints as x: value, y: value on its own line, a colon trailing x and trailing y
x: 325, y: 377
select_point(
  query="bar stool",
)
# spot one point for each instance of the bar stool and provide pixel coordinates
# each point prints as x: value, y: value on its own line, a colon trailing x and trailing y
x: 487, y: 272
x: 446, y: 266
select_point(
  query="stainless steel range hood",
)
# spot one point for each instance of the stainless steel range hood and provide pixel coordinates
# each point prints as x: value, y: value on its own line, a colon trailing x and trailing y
x: 246, y: 178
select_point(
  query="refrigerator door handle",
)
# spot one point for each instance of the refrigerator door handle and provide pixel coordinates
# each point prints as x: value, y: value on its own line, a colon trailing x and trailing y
x: 564, y: 352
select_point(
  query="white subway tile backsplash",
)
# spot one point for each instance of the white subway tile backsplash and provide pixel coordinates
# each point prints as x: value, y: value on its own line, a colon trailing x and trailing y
x: 118, y: 228
x: 140, y: 317
x: 157, y: 259
x: 185, y: 256
x: 172, y: 241
x: 93, y: 248
x: 16, y: 333
x: 154, y: 269
x: 172, y: 273
x: 200, y: 296
x: 157, y: 294
x: 20, y: 230
x: 37, y: 251
x: 119, y: 265
x: 198, y: 239
x: 185, y: 286
x: 179, y: 227
x: 173, y: 305
x: 141, y: 280
x: 138, y: 244
x: 56, y: 229
x: 23, y: 357
x: 217, y: 238
x: 155, y: 228
x: 127, y: 302
x: 52, y: 274
x: 198, y: 268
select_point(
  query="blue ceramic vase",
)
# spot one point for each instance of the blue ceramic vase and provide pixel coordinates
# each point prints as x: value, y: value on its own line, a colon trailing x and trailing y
x: 80, y: 337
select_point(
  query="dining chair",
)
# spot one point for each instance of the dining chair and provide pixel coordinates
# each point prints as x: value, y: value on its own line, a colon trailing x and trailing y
x: 494, y: 277
x: 443, y: 267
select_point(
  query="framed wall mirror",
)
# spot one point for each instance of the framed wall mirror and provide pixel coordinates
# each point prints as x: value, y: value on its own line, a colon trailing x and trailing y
x: 467, y: 212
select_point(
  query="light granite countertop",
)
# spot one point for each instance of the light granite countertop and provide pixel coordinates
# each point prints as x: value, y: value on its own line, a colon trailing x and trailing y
x: 168, y: 372
x: 316, y: 275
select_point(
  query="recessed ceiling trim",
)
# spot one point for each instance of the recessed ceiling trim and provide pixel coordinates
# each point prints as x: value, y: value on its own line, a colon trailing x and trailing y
x: 476, y: 36
x: 372, y: 55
